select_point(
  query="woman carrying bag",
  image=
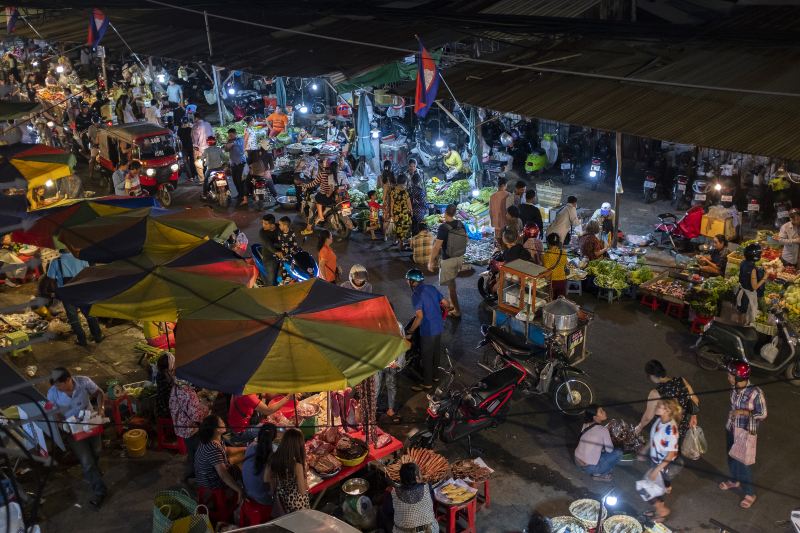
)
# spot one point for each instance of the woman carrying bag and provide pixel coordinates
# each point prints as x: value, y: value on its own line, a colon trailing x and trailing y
x: 663, y: 451
x: 748, y: 410
x: 751, y: 284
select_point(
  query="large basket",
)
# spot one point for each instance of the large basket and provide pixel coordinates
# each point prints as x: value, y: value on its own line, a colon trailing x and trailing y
x: 548, y: 195
x: 170, y: 506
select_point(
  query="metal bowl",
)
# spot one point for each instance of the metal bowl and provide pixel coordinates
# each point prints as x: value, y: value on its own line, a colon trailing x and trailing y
x: 355, y: 486
x: 286, y: 201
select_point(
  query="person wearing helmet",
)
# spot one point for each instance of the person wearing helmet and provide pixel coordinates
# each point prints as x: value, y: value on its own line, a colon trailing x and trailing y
x: 605, y: 217
x: 748, y: 409
x: 751, y: 284
x: 358, y: 279
x: 212, y: 158
x: 789, y: 237
x: 428, y: 322
x: 532, y: 242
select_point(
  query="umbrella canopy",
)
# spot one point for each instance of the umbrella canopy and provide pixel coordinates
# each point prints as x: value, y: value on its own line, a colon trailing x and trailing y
x: 475, y: 147
x: 363, y: 133
x: 308, y: 337
x: 126, y: 234
x: 159, y: 287
x: 280, y: 92
x: 25, y: 166
x: 15, y: 110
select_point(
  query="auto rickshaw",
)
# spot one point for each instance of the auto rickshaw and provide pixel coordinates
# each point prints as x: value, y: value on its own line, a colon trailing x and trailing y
x: 154, y: 146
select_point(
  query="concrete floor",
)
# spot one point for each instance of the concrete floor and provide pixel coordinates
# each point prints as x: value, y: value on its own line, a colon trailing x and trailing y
x: 531, y: 451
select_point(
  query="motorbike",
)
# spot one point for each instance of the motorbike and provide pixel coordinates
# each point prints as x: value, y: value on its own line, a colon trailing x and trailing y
x: 650, y: 186
x: 547, y: 371
x: 427, y: 154
x: 701, y: 192
x: 218, y: 190
x: 679, y: 196
x: 597, y: 172
x: 337, y: 217
x: 457, y: 412
x: 568, y: 166
x: 720, y: 344
x: 487, y: 281
x: 300, y: 266
x: 263, y: 198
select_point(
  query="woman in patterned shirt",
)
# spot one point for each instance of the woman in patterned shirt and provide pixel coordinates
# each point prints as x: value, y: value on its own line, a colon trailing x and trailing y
x: 413, y: 504
x: 419, y: 203
x: 663, y: 451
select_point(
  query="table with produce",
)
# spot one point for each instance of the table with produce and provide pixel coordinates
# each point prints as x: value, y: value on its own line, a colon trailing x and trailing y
x: 617, y: 276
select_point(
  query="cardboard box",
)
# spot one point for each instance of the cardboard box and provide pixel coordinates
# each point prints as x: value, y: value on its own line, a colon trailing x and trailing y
x: 711, y: 227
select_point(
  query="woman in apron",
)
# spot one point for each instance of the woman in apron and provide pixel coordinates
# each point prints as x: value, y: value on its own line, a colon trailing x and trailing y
x: 751, y: 284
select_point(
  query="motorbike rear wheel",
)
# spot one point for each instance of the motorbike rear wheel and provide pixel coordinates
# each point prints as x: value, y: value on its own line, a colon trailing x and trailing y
x: 573, y: 396
x: 222, y: 198
x: 708, y: 359
x: 485, y: 291
x: 793, y: 373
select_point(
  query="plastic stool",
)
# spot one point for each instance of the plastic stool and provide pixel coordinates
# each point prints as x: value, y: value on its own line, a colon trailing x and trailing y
x: 487, y: 497
x: 165, y: 432
x: 574, y: 286
x: 451, y: 515
x: 606, y: 294
x: 675, y: 310
x: 650, y: 301
x: 699, y: 323
x: 116, y: 415
x: 18, y: 338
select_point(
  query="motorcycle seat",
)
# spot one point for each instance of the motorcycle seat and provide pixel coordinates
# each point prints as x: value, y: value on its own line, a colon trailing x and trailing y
x: 747, y: 335
x: 513, y: 345
x: 495, y: 382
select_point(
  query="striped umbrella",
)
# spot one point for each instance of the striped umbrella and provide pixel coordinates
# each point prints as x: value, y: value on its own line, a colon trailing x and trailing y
x: 309, y: 337
x: 26, y: 166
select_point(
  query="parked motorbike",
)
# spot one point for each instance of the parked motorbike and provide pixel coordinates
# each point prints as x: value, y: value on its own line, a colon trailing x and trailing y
x: 650, y: 186
x: 337, y: 217
x: 701, y: 192
x: 721, y: 344
x: 487, y: 281
x: 263, y: 198
x: 569, y: 165
x: 547, y: 370
x: 298, y: 267
x: 680, y: 198
x: 597, y: 172
x: 218, y: 190
x: 456, y: 412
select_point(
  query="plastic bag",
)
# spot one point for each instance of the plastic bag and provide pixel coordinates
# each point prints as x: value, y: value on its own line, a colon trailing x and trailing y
x: 649, y: 489
x: 694, y: 444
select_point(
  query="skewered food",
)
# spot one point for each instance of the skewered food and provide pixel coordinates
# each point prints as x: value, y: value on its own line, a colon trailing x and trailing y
x: 432, y: 466
x: 468, y: 469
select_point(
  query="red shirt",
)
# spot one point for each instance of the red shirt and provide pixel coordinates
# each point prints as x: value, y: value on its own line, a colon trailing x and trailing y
x: 242, y: 408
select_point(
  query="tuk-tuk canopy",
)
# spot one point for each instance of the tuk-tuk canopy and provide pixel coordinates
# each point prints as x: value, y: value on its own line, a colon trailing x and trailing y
x: 131, y: 132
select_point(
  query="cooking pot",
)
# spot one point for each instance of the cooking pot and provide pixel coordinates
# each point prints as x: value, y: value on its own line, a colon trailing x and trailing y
x: 560, y: 314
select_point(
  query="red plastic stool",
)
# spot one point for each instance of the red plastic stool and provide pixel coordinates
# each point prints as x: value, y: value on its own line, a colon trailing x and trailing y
x: 116, y: 415
x: 675, y: 310
x: 220, y: 503
x: 451, y: 515
x: 699, y: 323
x: 487, y: 497
x: 166, y: 439
x: 650, y: 301
x: 253, y: 513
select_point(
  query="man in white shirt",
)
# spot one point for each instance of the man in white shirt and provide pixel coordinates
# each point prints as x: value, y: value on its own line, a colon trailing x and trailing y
x: 152, y: 114
x: 789, y: 237
x: 566, y: 220
x: 201, y: 131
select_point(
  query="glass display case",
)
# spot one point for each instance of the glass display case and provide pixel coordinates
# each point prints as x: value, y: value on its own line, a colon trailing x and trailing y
x: 523, y: 287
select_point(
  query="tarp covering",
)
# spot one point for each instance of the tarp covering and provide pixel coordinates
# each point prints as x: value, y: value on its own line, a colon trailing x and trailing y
x: 15, y: 110
x: 312, y: 336
x: 26, y: 166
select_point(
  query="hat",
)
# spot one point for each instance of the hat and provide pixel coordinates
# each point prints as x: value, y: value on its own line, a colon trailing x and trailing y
x: 605, y: 207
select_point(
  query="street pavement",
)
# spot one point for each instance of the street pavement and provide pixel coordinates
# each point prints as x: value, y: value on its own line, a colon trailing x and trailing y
x: 532, y: 451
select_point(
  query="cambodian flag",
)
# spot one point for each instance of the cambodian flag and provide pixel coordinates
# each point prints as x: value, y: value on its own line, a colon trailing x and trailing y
x: 427, y: 82
x: 11, y: 19
x: 98, y: 24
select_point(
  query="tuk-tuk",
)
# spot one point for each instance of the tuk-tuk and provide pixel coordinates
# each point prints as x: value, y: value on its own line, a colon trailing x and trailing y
x: 154, y: 146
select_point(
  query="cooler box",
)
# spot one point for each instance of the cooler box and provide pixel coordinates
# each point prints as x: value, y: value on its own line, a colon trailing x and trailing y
x: 710, y: 227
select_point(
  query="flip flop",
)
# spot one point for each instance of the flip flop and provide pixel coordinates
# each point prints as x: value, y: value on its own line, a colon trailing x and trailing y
x: 747, y: 502
x: 728, y: 485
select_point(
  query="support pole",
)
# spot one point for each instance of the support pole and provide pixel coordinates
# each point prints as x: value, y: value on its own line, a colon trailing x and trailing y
x: 214, y: 72
x: 617, y: 190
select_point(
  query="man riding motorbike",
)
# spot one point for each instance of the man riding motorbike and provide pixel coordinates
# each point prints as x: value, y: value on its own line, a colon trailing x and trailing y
x: 84, y: 125
x: 328, y: 181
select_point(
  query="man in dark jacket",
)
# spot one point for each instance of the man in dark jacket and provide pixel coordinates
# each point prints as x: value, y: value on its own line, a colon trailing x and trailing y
x: 269, y: 242
x: 529, y: 213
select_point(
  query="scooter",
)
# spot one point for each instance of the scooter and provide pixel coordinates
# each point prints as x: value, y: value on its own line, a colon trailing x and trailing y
x: 701, y: 192
x: 597, y: 172
x: 650, y: 186
x: 720, y: 344
x: 218, y: 190
x: 547, y: 369
x: 456, y: 412
x: 299, y: 267
x: 487, y: 281
x: 679, y: 197
x: 568, y: 164
x: 263, y: 198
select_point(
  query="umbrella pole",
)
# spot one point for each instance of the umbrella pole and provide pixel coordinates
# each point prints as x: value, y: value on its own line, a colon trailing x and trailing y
x: 166, y: 334
x: 294, y: 401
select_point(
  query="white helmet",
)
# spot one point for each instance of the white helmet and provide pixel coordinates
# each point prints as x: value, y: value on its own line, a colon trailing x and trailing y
x: 357, y: 272
x: 605, y: 208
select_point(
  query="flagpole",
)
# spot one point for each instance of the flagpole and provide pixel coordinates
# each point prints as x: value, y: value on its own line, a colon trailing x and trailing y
x: 121, y: 38
x: 25, y: 20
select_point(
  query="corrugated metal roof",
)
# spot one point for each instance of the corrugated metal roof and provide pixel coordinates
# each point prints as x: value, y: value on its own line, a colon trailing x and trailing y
x: 541, y: 8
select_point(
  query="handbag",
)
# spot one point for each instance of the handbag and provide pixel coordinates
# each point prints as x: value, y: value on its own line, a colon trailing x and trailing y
x: 744, y: 446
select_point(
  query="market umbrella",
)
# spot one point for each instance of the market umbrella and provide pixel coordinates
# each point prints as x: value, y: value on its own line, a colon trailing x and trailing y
x: 475, y: 147
x: 122, y: 235
x: 363, y: 134
x: 15, y: 110
x: 159, y: 287
x: 25, y: 166
x: 309, y: 337
x: 280, y: 92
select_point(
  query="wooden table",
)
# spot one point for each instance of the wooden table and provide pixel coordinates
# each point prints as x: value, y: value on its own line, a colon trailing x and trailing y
x: 346, y: 471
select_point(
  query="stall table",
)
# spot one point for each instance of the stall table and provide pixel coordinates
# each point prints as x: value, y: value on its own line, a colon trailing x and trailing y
x: 346, y: 471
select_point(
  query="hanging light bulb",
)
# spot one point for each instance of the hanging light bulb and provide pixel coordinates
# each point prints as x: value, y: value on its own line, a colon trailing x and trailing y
x: 376, y: 133
x: 314, y: 86
x: 475, y: 193
x: 611, y: 501
x: 161, y: 78
x: 231, y: 91
x: 303, y: 108
x: 439, y: 143
x: 60, y: 69
x: 35, y: 63
x: 48, y: 183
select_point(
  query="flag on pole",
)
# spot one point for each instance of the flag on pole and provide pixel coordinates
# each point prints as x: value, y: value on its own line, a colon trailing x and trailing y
x: 618, y: 185
x: 427, y: 82
x: 11, y: 19
x: 98, y: 24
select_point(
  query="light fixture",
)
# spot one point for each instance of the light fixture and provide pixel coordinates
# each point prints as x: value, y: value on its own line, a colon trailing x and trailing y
x: 608, y: 499
x: 150, y: 172
x: 439, y: 143
x: 60, y: 69
x: 611, y: 500
x: 174, y: 167
x: 314, y: 87
x: 303, y: 108
x: 592, y: 173
x: 718, y: 187
x: 50, y: 123
x: 475, y: 193
x: 231, y: 91
x: 161, y: 78
x: 48, y: 183
x: 376, y: 133
x: 35, y: 63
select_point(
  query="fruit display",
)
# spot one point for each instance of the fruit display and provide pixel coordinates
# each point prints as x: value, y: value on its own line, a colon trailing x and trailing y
x: 791, y: 300
x: 469, y: 469
x: 432, y: 466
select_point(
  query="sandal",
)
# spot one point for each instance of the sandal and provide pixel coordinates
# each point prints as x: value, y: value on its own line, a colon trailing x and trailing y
x: 728, y: 485
x: 747, y: 501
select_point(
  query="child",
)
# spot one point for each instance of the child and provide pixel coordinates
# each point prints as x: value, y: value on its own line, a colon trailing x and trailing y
x: 287, y: 242
x: 133, y: 186
x: 374, y: 214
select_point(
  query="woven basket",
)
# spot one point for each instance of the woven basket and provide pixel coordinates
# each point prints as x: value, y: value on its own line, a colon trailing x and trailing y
x: 767, y: 329
x: 169, y: 506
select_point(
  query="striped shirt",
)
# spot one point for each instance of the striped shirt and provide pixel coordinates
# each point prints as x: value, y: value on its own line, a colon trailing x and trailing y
x: 206, y: 458
x: 752, y: 399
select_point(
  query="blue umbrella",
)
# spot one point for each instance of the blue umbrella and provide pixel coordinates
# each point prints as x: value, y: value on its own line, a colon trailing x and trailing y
x: 280, y: 92
x: 363, y: 133
x: 475, y: 146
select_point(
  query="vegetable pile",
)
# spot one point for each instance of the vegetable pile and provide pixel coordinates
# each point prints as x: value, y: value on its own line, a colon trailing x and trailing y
x: 608, y: 274
x: 640, y: 275
x: 448, y: 193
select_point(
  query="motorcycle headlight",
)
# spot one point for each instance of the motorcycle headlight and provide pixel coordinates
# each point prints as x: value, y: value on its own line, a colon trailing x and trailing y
x: 174, y: 167
x: 151, y: 172
x: 592, y: 173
